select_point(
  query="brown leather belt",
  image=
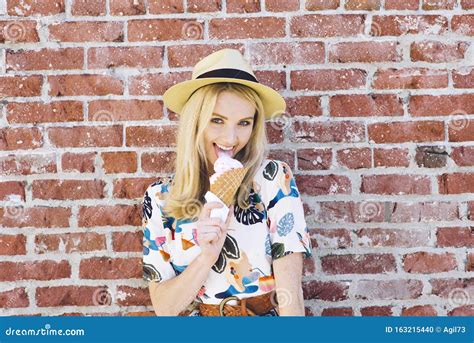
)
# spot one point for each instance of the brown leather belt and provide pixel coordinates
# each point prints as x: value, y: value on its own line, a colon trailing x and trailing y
x: 252, y: 306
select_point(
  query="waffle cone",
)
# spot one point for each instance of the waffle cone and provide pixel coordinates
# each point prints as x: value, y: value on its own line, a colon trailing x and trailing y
x: 227, y: 184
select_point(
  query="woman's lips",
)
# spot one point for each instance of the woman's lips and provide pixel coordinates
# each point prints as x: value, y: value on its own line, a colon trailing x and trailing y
x: 216, y: 151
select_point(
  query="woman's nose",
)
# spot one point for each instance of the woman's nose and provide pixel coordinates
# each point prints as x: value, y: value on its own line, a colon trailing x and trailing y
x: 230, y: 137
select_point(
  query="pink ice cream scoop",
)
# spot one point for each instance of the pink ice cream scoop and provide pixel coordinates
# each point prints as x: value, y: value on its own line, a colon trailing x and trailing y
x: 223, y: 164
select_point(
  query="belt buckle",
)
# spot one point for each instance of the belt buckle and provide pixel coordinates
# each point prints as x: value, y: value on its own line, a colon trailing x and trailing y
x: 225, y: 301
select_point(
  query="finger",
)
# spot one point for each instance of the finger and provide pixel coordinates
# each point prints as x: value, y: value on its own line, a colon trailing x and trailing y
x: 229, y: 216
x: 208, y: 207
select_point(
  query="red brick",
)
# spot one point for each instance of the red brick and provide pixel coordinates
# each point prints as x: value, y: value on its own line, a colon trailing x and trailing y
x: 123, y: 110
x: 12, y: 245
x: 131, y: 188
x: 365, y: 105
x: 456, y: 183
x: 383, y: 311
x: 315, y: 25
x: 45, y: 59
x: 189, y: 55
x: 127, y: 56
x: 71, y: 85
x: 325, y: 290
x: 272, y: 78
x: 90, y: 31
x: 282, y: 5
x: 400, y: 289
x: 467, y: 310
x: 362, y: 5
x: 68, y: 189
x: 59, y: 296
x: 196, y: 6
x: 40, y: 217
x: 77, y: 162
x: 118, y: 215
x: 423, y: 212
x: 463, y: 24
x: 86, y: 136
x: 23, y: 86
x: 40, y: 112
x: 26, y: 8
x: 243, y: 6
x: 156, y: 84
x: 127, y: 241
x: 164, y: 30
x: 467, y: 4
x: 323, y: 185
x: 358, y: 264
x: 314, y: 159
x: 127, y: 7
x: 141, y: 136
x: 458, y: 237
x: 331, y: 239
x: 431, y: 105
x: 470, y: 262
x: 438, y: 4
x: 398, y: 25
x: 391, y: 157
x: 274, y: 133
x: 393, y: 184
x: 70, y: 242
x: 355, y: 158
x: 402, y: 5
x: 426, y: 262
x: 444, y: 287
x: 165, y: 6
x: 21, y: 138
x: 10, y: 190
x: 318, y: 5
x: 119, y: 162
x: 158, y: 162
x: 254, y: 27
x: 400, y: 132
x: 410, y: 78
x: 23, y: 31
x: 463, y: 156
x: 34, y: 270
x: 438, y: 52
x: 133, y: 296
x: 110, y: 268
x: 460, y: 130
x: 431, y: 156
x: 88, y: 7
x: 287, y: 53
x: 471, y: 210
x: 285, y: 155
x: 463, y: 78
x: 304, y: 106
x: 337, y: 311
x: 14, y: 298
x: 392, y: 238
x: 366, y: 52
x: 419, y: 310
x: 324, y: 132
x: 328, y: 79
x: 28, y: 164
x: 349, y: 212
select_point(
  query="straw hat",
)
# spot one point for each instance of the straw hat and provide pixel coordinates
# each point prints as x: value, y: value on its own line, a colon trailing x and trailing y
x: 226, y: 65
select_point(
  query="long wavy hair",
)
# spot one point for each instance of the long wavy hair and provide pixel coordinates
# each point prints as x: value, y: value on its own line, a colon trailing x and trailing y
x: 191, y: 180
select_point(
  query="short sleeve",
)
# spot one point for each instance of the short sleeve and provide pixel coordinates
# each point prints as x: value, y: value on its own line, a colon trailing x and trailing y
x: 288, y: 232
x: 156, y: 254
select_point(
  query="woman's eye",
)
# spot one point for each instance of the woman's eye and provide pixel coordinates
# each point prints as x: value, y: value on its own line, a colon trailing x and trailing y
x: 214, y: 120
x: 247, y: 123
x: 219, y: 121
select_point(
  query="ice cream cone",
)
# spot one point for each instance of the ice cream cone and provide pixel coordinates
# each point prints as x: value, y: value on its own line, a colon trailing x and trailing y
x: 227, y: 184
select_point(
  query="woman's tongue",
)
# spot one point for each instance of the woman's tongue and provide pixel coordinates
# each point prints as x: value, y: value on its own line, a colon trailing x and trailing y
x: 221, y: 152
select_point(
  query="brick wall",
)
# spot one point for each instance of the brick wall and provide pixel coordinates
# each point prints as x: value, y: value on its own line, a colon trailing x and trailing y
x: 379, y: 133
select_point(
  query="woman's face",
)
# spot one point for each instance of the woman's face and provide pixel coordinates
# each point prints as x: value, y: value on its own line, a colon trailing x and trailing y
x: 230, y: 126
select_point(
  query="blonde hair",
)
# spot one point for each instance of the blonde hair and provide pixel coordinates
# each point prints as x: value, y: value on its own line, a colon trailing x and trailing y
x: 191, y: 180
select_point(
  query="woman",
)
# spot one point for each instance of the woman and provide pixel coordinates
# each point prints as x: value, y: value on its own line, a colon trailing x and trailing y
x: 200, y: 265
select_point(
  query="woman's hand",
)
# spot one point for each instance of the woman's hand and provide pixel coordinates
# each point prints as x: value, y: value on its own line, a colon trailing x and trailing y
x: 211, y: 232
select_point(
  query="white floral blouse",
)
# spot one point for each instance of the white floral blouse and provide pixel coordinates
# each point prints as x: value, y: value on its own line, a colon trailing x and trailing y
x: 273, y: 226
